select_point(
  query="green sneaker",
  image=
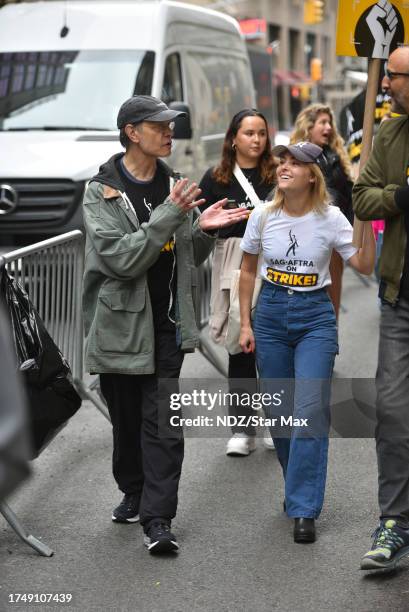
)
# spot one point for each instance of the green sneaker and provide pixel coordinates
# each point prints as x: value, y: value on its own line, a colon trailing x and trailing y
x: 390, y: 544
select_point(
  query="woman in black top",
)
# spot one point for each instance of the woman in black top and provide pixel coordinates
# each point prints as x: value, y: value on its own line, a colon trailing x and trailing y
x: 247, y: 148
x: 316, y: 123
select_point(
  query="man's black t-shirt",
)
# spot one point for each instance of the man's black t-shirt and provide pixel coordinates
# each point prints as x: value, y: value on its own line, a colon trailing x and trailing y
x: 145, y: 197
x: 213, y: 191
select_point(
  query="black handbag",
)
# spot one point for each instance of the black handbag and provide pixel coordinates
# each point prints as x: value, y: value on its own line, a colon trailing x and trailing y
x: 52, y: 398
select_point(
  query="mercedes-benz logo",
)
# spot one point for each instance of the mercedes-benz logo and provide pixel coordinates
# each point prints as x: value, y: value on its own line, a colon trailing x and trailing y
x: 8, y: 199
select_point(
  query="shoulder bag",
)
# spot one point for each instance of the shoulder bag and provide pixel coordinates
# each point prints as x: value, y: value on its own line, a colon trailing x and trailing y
x: 233, y: 322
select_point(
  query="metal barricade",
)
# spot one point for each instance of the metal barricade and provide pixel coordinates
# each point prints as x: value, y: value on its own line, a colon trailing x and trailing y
x: 51, y: 272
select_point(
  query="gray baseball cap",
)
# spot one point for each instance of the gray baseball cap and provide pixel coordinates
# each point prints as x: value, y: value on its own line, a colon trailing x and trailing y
x: 145, y: 108
x: 303, y: 151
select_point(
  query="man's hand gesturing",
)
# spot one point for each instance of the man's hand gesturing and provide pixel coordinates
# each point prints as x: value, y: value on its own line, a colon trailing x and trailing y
x: 216, y: 217
x: 183, y: 195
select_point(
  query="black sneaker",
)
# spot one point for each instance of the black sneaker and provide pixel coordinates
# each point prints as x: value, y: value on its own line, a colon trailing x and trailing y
x: 390, y: 544
x: 158, y: 538
x: 128, y: 509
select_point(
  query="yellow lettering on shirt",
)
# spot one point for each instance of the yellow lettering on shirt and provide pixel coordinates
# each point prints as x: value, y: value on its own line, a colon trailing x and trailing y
x: 169, y: 246
x: 292, y: 280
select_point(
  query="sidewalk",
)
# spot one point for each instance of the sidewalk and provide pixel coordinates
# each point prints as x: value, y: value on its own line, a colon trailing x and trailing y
x: 237, y: 551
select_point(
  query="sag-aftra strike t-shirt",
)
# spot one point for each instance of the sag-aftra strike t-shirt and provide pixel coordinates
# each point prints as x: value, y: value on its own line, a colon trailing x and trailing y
x: 297, y: 250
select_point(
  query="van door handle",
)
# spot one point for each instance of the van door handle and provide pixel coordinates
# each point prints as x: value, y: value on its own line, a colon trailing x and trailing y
x: 188, y: 151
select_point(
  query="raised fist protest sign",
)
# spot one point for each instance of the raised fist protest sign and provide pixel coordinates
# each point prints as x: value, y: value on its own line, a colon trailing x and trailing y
x: 371, y: 29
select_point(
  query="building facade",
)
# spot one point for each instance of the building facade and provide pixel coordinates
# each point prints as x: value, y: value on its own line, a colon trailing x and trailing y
x: 296, y: 45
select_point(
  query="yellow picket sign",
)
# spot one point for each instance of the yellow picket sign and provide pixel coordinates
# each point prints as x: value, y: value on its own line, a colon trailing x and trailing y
x: 372, y: 29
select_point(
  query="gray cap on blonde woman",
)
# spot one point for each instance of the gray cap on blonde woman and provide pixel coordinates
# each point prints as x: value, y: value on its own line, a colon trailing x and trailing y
x: 306, y: 152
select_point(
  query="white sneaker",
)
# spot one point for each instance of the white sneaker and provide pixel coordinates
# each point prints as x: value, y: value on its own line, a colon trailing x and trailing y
x: 268, y: 441
x: 241, y: 444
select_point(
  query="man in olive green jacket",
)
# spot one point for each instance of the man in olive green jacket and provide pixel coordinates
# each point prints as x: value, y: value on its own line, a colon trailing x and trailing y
x: 382, y: 192
x: 144, y: 240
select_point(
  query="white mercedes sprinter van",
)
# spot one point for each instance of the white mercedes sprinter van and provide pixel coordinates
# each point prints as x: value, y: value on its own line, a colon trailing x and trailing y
x: 66, y: 67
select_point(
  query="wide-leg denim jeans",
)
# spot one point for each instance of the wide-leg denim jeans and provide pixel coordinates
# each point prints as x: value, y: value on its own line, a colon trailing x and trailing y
x: 296, y: 338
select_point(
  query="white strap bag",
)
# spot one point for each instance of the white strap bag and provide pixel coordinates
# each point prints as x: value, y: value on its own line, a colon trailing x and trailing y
x: 233, y: 321
x: 246, y: 186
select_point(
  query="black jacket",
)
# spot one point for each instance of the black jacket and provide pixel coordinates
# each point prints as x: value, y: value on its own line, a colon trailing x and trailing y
x: 338, y: 183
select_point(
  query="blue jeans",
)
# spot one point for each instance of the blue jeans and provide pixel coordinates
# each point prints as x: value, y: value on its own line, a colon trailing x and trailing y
x: 296, y: 338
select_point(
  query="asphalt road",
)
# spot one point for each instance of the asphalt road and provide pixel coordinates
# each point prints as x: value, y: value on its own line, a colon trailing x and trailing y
x: 237, y: 552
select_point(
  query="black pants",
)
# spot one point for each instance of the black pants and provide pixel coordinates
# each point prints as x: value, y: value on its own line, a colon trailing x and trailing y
x: 144, y: 462
x: 242, y: 365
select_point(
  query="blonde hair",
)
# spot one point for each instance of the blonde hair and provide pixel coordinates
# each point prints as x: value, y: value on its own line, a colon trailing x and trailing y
x: 305, y: 122
x: 319, y: 196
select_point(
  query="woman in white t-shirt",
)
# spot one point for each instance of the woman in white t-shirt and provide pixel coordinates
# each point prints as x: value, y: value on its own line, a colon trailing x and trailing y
x: 294, y: 333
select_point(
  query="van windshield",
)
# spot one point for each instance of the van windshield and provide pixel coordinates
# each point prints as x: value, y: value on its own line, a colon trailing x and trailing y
x: 68, y: 90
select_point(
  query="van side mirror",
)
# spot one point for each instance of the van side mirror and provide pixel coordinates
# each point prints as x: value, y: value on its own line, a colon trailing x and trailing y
x: 183, y: 126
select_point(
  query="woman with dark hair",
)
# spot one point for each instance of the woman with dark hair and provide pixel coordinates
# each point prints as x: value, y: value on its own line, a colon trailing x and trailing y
x: 245, y: 175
